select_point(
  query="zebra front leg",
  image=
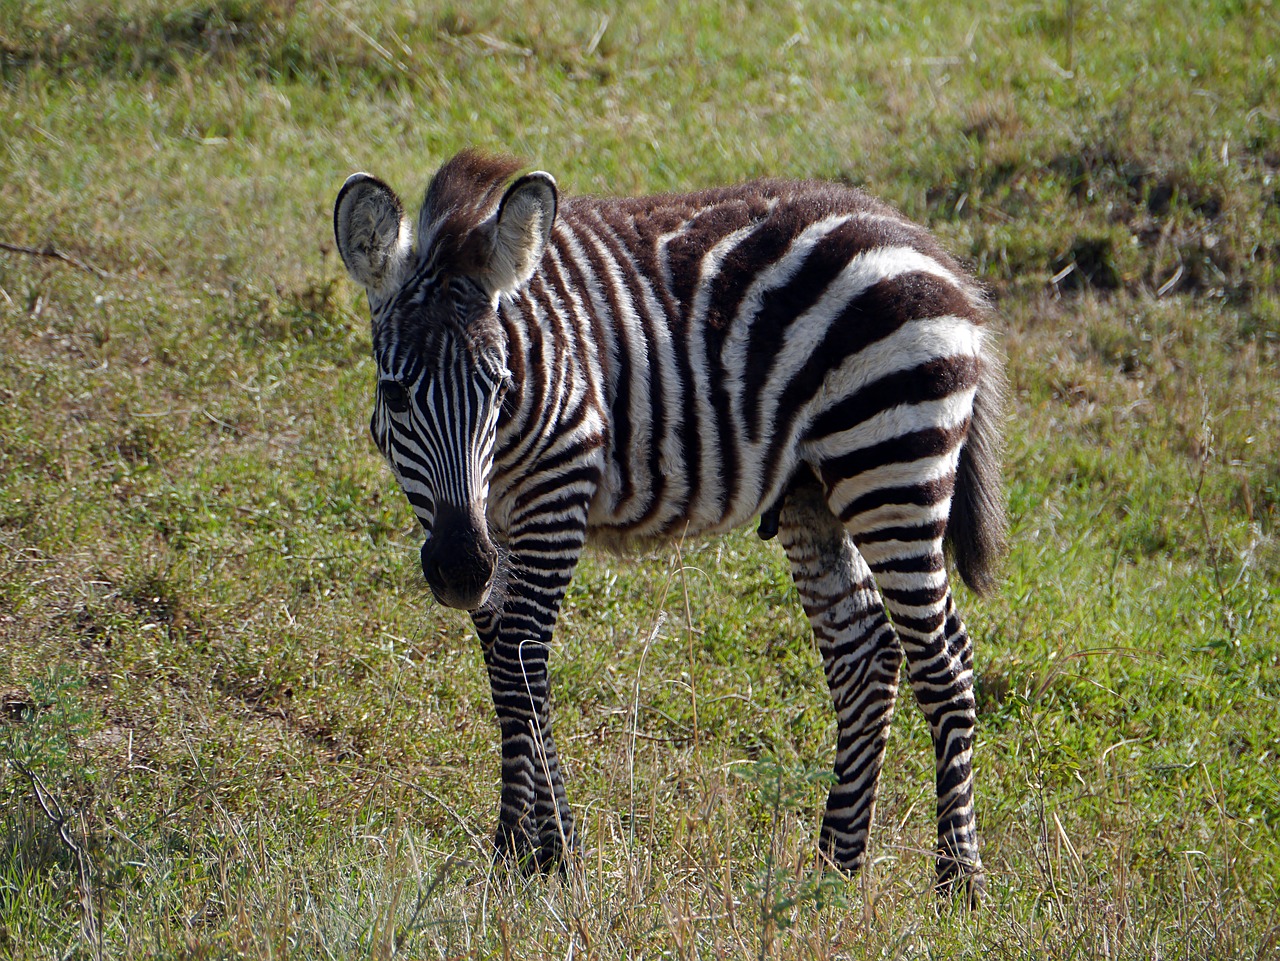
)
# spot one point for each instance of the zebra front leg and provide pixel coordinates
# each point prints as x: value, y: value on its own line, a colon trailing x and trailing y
x: 912, y: 577
x: 862, y: 660
x: 535, y: 825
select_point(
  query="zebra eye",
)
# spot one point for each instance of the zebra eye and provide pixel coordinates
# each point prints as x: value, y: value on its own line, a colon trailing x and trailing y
x: 394, y: 395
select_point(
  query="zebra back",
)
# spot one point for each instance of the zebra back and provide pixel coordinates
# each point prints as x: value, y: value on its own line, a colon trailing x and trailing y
x: 688, y: 309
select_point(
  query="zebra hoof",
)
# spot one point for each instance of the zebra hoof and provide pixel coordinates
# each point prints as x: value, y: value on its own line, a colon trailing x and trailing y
x: 517, y: 849
x: 844, y: 859
x: 962, y: 883
x: 514, y: 848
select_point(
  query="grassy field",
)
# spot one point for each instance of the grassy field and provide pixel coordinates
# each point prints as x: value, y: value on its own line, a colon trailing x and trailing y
x: 232, y: 724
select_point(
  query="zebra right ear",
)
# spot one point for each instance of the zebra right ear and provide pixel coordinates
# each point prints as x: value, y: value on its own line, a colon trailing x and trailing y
x: 372, y: 233
x: 520, y: 232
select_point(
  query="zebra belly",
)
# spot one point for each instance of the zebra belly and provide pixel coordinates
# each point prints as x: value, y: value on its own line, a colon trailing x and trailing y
x: 619, y: 517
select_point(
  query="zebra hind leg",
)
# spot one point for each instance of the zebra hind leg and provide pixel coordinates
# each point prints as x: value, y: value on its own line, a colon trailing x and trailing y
x: 910, y: 571
x: 861, y: 658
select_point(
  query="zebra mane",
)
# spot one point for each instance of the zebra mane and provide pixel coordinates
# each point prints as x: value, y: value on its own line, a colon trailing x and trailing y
x: 461, y: 199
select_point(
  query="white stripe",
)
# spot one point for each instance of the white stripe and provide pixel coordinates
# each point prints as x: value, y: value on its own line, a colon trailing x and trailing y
x: 894, y: 475
x: 947, y: 414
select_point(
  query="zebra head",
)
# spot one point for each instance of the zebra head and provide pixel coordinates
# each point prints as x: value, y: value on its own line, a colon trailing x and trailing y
x: 440, y: 349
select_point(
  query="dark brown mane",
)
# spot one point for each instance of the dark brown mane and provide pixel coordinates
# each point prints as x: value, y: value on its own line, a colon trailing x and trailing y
x: 462, y: 195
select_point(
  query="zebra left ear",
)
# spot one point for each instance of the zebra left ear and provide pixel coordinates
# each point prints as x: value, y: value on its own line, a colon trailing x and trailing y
x: 372, y: 233
x: 520, y: 232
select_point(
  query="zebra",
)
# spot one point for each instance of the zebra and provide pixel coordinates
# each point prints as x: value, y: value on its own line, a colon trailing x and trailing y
x: 679, y: 364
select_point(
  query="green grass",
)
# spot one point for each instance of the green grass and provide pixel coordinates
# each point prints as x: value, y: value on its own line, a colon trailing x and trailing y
x: 221, y: 676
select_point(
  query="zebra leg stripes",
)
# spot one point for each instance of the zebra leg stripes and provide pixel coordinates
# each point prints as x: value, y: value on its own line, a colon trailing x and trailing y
x: 862, y: 653
x: 861, y: 658
x: 535, y: 825
x: 912, y: 578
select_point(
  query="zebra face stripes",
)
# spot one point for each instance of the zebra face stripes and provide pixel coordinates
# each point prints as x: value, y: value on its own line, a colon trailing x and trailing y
x: 435, y: 420
x: 680, y: 364
x: 441, y: 356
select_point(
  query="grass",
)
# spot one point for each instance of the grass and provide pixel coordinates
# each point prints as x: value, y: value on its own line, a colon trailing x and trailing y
x: 231, y: 724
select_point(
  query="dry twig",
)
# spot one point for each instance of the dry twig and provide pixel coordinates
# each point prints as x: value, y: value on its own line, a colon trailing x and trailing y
x: 53, y: 253
x: 62, y: 821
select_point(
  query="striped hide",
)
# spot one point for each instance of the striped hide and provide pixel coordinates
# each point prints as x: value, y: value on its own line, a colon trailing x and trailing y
x: 621, y: 369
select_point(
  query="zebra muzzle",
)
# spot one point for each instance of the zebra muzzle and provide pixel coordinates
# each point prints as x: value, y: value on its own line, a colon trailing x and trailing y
x: 458, y: 561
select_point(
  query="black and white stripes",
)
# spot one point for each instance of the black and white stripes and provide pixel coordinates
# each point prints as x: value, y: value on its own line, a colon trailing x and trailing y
x: 631, y: 368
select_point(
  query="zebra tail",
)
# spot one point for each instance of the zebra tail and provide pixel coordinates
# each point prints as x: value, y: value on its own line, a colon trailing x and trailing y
x: 978, y: 524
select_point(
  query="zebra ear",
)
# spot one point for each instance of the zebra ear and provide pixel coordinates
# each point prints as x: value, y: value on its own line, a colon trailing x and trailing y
x: 372, y: 233
x: 520, y: 232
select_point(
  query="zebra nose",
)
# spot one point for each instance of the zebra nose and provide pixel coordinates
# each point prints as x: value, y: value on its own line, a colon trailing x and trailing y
x: 461, y: 582
x: 458, y: 563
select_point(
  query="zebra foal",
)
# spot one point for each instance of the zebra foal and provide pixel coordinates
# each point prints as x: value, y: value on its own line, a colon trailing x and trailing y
x: 683, y: 363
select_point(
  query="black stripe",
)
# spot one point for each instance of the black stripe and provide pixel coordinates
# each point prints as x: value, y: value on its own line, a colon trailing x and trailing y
x: 657, y: 402
x: 917, y: 445
x: 924, y: 494
x: 931, y: 381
